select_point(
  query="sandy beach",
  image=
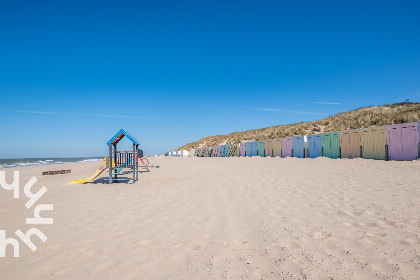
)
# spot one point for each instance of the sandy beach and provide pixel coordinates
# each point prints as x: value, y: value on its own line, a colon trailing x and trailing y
x: 223, y: 218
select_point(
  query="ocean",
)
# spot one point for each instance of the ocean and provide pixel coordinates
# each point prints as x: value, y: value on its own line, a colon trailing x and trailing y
x: 7, y: 163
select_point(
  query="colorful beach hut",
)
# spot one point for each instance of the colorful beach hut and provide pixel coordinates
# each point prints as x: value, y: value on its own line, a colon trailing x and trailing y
x: 227, y: 150
x: 315, y: 145
x: 248, y: 149
x: 286, y: 147
x: 234, y: 150
x: 298, y: 146
x: 268, y: 148
x: 214, y: 151
x: 403, y: 141
x: 350, y: 143
x: 276, y: 143
x: 242, y: 149
x: 260, y: 148
x: 331, y: 145
x: 222, y: 150
x: 254, y: 148
x: 373, y: 142
x: 217, y: 151
x: 207, y: 151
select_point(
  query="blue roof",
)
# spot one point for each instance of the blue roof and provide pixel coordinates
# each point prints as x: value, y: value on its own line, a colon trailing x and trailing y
x: 120, y: 135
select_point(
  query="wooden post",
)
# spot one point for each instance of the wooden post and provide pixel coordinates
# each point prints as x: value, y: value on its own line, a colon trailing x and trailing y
x: 110, y: 163
x: 137, y: 162
x: 133, y: 164
x: 115, y: 160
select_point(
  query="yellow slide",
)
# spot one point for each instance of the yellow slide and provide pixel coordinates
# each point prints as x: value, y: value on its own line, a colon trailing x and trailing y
x: 96, y: 174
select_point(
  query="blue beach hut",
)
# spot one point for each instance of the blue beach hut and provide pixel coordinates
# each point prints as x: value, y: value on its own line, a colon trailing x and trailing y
x: 298, y: 146
x: 315, y: 145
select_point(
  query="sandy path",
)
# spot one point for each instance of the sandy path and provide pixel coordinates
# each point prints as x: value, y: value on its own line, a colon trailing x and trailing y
x: 226, y: 218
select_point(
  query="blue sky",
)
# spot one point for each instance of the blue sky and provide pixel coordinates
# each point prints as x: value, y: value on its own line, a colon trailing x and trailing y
x: 171, y: 72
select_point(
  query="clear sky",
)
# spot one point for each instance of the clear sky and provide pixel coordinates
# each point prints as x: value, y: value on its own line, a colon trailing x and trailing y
x: 72, y: 73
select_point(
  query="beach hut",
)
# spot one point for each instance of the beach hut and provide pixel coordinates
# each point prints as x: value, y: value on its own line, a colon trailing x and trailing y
x: 373, y: 142
x: 331, y: 144
x: 217, y: 151
x: 286, y: 147
x: 268, y: 148
x: 191, y: 152
x: 260, y: 148
x: 227, y: 150
x: 234, y: 150
x: 254, y: 148
x: 276, y: 143
x: 222, y: 150
x: 248, y: 149
x: 298, y: 146
x: 403, y: 141
x: 315, y: 145
x: 206, y: 151
x: 242, y: 149
x: 178, y: 153
x: 350, y: 143
x: 213, y: 151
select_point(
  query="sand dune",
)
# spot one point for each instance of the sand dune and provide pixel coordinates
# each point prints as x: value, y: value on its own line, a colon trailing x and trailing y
x: 225, y: 218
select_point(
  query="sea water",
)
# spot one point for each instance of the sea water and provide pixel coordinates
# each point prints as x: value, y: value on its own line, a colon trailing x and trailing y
x: 6, y: 163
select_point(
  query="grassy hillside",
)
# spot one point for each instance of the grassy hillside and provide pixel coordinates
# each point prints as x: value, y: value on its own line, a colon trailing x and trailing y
x: 360, y: 118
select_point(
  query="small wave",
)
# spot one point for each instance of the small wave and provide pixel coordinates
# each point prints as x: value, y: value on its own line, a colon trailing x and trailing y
x: 89, y: 159
x: 30, y: 162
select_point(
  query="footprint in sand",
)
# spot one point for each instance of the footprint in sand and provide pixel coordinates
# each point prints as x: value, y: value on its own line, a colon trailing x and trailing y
x: 375, y: 234
x: 370, y: 225
x: 384, y: 267
x: 352, y: 213
x: 372, y: 240
x: 143, y: 242
x: 290, y: 245
x: 321, y: 213
x: 415, y: 240
x: 319, y: 235
x: 388, y: 223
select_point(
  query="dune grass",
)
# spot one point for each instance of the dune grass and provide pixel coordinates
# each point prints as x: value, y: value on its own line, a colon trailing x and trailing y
x: 360, y: 118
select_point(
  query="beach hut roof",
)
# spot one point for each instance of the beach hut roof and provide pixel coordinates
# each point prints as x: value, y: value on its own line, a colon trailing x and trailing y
x: 120, y: 135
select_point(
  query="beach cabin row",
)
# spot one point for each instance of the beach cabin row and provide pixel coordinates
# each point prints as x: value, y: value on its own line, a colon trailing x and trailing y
x: 182, y: 153
x: 391, y: 142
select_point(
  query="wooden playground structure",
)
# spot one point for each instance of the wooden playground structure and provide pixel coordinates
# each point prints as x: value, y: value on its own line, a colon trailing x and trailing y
x: 119, y: 162
x: 123, y: 159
